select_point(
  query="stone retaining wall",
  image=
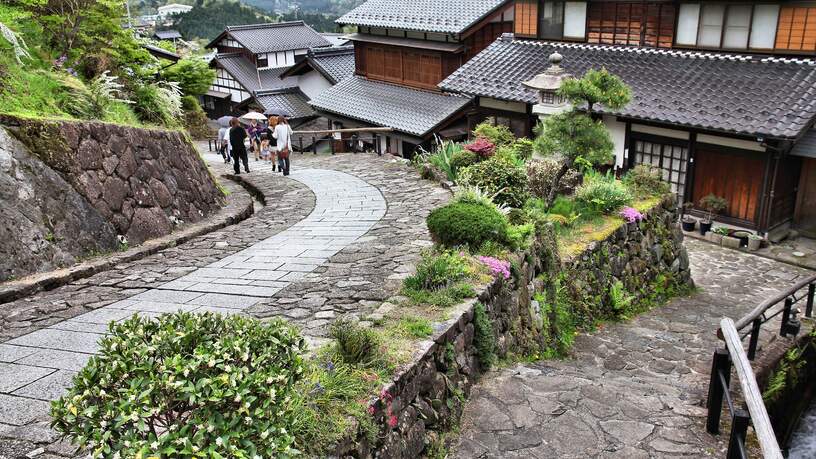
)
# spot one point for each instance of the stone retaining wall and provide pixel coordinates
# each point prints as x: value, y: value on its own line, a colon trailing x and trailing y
x: 143, y: 181
x: 427, y: 396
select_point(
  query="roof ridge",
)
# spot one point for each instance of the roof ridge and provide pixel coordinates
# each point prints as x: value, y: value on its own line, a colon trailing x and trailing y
x: 266, y: 25
x: 670, y: 52
x: 332, y: 50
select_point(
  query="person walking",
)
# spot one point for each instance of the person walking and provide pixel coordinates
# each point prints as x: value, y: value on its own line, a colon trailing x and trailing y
x: 283, y: 134
x: 237, y: 136
x: 223, y: 143
x: 254, y: 132
x: 270, y: 134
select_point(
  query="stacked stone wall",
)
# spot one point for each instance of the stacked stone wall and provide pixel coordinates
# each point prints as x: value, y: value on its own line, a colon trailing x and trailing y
x: 427, y: 396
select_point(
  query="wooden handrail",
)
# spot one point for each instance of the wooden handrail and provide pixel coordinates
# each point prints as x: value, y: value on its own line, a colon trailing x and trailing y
x: 767, y: 304
x: 750, y: 389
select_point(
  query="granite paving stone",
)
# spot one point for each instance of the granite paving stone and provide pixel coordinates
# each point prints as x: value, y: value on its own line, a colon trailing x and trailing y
x: 52, y: 358
x: 19, y: 411
x: 59, y: 339
x: 48, y: 388
x: 14, y: 376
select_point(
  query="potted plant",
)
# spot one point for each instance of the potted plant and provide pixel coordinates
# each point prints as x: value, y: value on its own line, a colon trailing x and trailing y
x: 754, y: 242
x: 687, y: 221
x: 717, y: 234
x: 712, y: 204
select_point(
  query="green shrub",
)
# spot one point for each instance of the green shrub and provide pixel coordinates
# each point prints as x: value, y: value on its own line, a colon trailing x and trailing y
x: 523, y: 148
x: 540, y: 175
x: 503, y: 180
x: 444, y: 298
x: 564, y: 206
x: 519, y: 236
x: 498, y: 135
x: 356, y: 345
x: 149, y: 106
x: 437, y: 271
x: 464, y: 158
x: 466, y: 224
x: 186, y: 385
x: 195, y: 120
x: 602, y: 194
x: 483, y: 337
x: 443, y: 159
x: 416, y: 327
x: 645, y: 180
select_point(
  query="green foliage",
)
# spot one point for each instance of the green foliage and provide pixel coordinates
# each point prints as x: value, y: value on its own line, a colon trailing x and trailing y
x: 483, y: 337
x: 156, y: 104
x: 355, y: 344
x: 721, y: 230
x: 602, y: 194
x: 785, y: 375
x: 97, y: 101
x: 542, y: 173
x: 645, y: 180
x: 438, y: 271
x: 519, y: 237
x: 415, y: 327
x: 574, y: 135
x: 443, y: 298
x: 467, y: 224
x: 463, y: 158
x: 498, y: 135
x: 619, y: 298
x: 523, y: 148
x: 713, y: 204
x: 558, y: 325
x: 597, y: 87
x: 208, y: 19
x: 195, y: 120
x: 186, y: 385
x: 503, y: 180
x: 194, y: 76
x: 443, y: 158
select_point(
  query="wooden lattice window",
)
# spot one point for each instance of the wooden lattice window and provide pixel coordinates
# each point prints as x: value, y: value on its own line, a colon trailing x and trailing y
x: 797, y: 29
x: 627, y: 23
x: 526, y: 18
x: 671, y: 160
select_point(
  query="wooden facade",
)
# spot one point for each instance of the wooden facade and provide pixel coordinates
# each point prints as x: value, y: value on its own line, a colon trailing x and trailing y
x: 405, y: 66
x: 632, y: 23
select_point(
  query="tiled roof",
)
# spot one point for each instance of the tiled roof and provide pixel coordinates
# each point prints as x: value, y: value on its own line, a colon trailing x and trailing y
x: 742, y: 94
x: 280, y: 36
x: 408, y: 110
x: 251, y: 78
x: 292, y: 103
x: 337, y: 63
x: 444, y: 16
x: 167, y: 34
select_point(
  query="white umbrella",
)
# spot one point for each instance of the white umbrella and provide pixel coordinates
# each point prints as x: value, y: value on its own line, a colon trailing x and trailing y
x: 254, y: 116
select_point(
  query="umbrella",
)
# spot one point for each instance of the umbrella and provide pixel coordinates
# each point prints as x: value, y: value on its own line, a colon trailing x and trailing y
x: 224, y: 121
x: 254, y: 116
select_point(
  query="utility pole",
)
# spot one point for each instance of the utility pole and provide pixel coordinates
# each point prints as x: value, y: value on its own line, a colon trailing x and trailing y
x: 127, y: 6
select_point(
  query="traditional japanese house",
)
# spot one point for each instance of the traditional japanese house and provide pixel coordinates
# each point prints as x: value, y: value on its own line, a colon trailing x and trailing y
x: 403, y: 50
x: 249, y: 63
x: 723, y: 93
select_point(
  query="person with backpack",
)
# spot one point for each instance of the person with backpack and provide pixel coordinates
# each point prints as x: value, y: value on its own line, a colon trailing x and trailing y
x: 283, y: 135
x: 237, y: 136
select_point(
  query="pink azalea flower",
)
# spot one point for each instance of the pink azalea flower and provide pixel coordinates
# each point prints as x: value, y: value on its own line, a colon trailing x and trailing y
x: 392, y: 421
x: 631, y: 215
x: 497, y: 267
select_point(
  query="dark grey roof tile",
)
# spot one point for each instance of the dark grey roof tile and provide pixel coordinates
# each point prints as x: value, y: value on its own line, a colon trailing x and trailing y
x: 733, y: 93
x: 337, y: 62
x: 281, y: 36
x: 444, y: 16
x: 251, y: 78
x: 293, y: 103
x: 408, y: 110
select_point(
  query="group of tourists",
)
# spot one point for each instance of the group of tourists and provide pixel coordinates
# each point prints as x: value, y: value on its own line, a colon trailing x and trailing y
x: 271, y: 143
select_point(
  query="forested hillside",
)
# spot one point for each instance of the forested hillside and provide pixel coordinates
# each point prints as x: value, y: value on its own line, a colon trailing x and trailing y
x: 207, y: 19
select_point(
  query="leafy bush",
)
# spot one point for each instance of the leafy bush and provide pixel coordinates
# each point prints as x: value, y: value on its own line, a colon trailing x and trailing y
x: 497, y: 135
x: 443, y: 159
x: 506, y: 182
x: 518, y: 236
x: 482, y: 147
x: 158, y: 104
x: 186, y: 385
x: 356, y: 345
x: 464, y: 158
x: 540, y: 176
x: 473, y: 195
x: 602, y: 194
x: 416, y: 327
x: 523, y: 148
x: 713, y: 204
x: 483, y: 336
x: 645, y: 180
x: 444, y: 298
x: 467, y: 224
x: 96, y: 101
x: 195, y: 120
x: 438, y: 271
x: 193, y: 76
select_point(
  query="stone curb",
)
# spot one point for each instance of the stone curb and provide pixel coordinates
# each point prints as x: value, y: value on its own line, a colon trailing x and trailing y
x: 239, y: 207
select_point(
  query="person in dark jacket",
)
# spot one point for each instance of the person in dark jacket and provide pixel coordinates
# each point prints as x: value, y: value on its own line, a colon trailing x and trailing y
x: 237, y: 135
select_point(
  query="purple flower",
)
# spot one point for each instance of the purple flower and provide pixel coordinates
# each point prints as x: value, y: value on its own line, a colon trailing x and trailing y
x: 497, y: 267
x: 631, y: 215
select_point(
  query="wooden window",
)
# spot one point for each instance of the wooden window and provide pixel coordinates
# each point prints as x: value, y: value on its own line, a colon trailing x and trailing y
x: 412, y: 61
x: 797, y: 29
x: 526, y: 18
x: 629, y: 23
x: 551, y: 20
x: 407, y: 66
x: 393, y: 64
x: 430, y: 72
x: 375, y: 61
x: 671, y: 160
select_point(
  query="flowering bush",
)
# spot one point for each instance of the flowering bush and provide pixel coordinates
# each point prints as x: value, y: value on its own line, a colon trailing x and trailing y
x: 497, y: 267
x: 631, y: 215
x: 500, y: 178
x: 540, y: 175
x: 186, y: 385
x: 482, y: 147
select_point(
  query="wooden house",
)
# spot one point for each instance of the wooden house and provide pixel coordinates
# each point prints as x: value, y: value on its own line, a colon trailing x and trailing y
x: 723, y: 93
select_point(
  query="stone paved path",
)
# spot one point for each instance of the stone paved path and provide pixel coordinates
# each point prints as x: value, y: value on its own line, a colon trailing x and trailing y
x: 336, y: 237
x: 630, y: 390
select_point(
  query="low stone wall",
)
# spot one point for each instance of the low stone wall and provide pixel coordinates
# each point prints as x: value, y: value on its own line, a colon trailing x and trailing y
x: 143, y: 181
x: 427, y: 396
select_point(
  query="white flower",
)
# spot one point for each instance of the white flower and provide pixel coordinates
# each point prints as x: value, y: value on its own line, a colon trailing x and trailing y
x: 210, y: 428
x: 154, y: 445
x: 186, y: 372
x: 237, y: 398
x: 219, y: 441
x: 211, y: 363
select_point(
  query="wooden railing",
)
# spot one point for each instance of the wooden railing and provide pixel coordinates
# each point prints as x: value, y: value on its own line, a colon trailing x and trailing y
x: 735, y: 355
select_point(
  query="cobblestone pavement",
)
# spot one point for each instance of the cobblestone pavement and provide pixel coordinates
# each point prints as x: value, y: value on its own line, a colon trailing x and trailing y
x: 364, y: 230
x: 635, y: 389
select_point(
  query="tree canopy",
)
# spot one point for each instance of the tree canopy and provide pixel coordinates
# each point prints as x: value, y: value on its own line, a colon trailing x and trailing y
x: 193, y: 76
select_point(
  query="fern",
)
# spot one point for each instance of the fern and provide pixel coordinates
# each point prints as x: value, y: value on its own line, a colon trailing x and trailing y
x: 170, y: 95
x: 17, y: 43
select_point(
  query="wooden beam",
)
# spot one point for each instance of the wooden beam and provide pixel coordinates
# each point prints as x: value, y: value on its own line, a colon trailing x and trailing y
x: 332, y: 131
x: 753, y: 397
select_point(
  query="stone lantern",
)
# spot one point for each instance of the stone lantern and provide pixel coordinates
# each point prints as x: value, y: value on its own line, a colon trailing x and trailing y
x: 547, y: 84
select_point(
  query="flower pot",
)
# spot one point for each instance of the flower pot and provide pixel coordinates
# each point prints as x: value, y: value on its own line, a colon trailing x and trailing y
x: 705, y: 226
x: 754, y: 243
x: 742, y: 236
x: 688, y: 226
x: 730, y: 242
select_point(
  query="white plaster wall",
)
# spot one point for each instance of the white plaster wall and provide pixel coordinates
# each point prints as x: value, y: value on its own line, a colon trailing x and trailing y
x: 617, y: 130
x: 313, y: 83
